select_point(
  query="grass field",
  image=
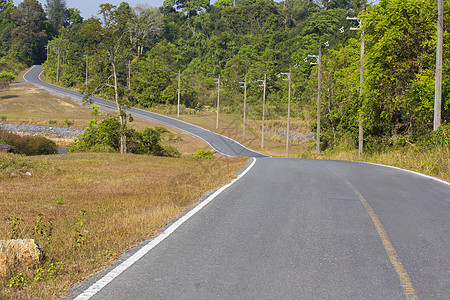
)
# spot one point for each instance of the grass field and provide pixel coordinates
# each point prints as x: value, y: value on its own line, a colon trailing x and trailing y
x: 28, y: 104
x: 92, y: 207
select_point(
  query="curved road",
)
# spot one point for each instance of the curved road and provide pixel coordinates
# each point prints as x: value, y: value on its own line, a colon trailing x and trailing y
x: 297, y: 229
x: 219, y: 143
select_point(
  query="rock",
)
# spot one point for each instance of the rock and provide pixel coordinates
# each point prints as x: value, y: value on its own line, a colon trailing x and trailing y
x: 28, y: 173
x: 18, y: 254
x: 7, y: 148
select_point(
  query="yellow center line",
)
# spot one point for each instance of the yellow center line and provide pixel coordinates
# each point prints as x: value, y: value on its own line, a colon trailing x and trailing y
x: 405, y: 281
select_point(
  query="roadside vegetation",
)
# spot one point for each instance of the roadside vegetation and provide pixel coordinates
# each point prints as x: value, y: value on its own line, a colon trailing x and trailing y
x: 28, y: 145
x: 246, y: 41
x: 430, y: 156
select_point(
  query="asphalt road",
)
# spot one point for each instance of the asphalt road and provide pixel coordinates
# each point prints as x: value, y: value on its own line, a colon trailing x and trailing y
x: 297, y: 229
x: 219, y: 143
x: 304, y: 229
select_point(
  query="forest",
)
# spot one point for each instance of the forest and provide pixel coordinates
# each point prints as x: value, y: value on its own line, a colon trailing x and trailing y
x: 133, y: 55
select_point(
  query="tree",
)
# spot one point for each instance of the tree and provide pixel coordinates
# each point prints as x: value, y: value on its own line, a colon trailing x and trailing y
x: 6, y: 26
x: 29, y: 37
x: 74, y: 16
x: 57, y: 13
x: 145, y: 23
x: 154, y: 74
x: 223, y: 3
x: 189, y: 7
x: 399, y: 37
x: 113, y: 39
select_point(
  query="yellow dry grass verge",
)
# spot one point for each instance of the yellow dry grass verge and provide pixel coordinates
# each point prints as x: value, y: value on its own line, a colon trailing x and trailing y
x: 433, y: 162
x: 98, y: 205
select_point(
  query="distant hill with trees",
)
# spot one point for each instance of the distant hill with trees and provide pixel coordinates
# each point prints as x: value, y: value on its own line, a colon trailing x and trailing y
x: 132, y: 55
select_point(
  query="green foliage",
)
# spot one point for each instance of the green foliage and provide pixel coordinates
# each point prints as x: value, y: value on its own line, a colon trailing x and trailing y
x: 17, y: 281
x: 29, y: 145
x: 134, y: 55
x: 400, y: 48
x: 80, y: 233
x: 203, y: 154
x: 15, y: 226
x: 29, y: 36
x: 104, y: 136
x: 42, y: 232
x: 5, y: 79
x: 223, y: 3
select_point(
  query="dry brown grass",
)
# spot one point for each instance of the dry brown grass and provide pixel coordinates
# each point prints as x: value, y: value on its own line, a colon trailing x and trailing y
x: 33, y: 105
x: 231, y: 125
x: 433, y: 162
x: 126, y: 198
x: 28, y: 104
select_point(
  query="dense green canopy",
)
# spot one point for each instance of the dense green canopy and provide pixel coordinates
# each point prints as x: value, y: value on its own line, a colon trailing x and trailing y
x: 253, y: 38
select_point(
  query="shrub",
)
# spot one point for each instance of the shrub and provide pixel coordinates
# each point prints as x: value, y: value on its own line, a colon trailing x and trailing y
x: 203, y: 154
x: 99, y: 137
x: 105, y: 137
x: 171, y: 151
x: 29, y: 145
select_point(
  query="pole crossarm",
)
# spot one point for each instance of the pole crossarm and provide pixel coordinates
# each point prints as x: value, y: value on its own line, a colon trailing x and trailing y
x: 354, y: 19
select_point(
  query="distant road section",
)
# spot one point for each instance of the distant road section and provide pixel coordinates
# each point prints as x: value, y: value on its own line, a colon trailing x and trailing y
x: 219, y: 143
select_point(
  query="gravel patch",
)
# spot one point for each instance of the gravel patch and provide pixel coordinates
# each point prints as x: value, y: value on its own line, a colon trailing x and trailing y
x: 56, y: 131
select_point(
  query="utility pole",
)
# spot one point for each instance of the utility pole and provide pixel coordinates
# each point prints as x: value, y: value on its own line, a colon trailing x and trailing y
x: 289, y: 110
x: 318, y: 100
x: 218, y: 100
x: 179, y: 85
x: 263, y: 109
x: 87, y: 69
x: 361, y: 81
x: 129, y: 74
x: 245, y: 105
x: 46, y: 48
x: 318, y: 62
x: 438, y: 80
x: 57, y: 69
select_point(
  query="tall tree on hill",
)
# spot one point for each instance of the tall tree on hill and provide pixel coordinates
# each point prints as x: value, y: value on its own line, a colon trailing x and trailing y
x: 57, y: 13
x: 145, y: 24
x: 113, y: 38
x: 6, y: 26
x: 29, y: 37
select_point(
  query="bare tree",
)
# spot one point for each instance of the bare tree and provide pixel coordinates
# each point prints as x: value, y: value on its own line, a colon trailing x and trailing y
x: 145, y: 24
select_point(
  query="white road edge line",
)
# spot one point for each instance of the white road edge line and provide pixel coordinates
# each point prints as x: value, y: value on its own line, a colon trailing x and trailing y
x: 409, y: 171
x: 102, y: 282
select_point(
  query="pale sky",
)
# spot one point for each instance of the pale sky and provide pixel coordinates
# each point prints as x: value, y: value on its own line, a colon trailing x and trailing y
x: 89, y: 8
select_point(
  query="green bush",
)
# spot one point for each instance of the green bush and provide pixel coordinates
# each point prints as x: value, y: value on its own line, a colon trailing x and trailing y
x: 7, y: 77
x: 105, y: 137
x: 29, y: 145
x: 203, y: 154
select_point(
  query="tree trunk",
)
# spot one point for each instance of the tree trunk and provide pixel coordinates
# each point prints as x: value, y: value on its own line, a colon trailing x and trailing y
x: 123, y: 124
